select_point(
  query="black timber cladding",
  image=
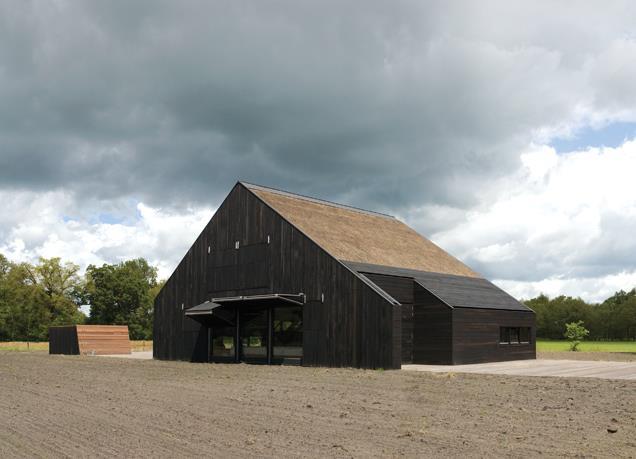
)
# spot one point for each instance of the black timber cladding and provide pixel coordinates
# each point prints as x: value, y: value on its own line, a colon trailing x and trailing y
x: 247, y: 248
x: 455, y: 291
x: 455, y: 319
x: 400, y: 289
x: 63, y: 340
x: 476, y: 335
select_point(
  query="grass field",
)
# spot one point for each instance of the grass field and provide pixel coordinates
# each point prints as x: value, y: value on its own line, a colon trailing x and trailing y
x: 24, y: 346
x: 587, y: 346
x: 542, y: 346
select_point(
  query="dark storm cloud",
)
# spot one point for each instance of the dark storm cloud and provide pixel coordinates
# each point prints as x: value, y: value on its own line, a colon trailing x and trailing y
x: 385, y: 105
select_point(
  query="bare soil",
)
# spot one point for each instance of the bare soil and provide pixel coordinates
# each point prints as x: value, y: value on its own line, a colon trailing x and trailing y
x: 606, y: 356
x: 88, y: 406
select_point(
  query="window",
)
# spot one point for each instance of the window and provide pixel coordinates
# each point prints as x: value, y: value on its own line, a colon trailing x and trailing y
x: 514, y: 335
x: 223, y: 341
x: 503, y: 335
x: 288, y: 332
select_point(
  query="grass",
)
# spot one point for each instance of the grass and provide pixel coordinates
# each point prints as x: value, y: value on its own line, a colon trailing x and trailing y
x: 22, y: 346
x: 542, y: 346
x: 587, y: 346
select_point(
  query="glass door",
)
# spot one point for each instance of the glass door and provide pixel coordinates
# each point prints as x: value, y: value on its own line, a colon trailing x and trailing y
x: 222, y: 346
x: 287, y: 334
x: 254, y: 331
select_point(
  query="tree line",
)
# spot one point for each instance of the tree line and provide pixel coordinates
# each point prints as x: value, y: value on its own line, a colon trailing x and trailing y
x: 612, y: 319
x: 34, y: 297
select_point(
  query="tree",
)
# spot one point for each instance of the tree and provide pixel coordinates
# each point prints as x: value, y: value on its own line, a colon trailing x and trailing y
x: 5, y: 266
x: 553, y: 314
x: 123, y: 294
x: 32, y: 298
x: 62, y: 287
x: 575, y: 332
x: 617, y: 316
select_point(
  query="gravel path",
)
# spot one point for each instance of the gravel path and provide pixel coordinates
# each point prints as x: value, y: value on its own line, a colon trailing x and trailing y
x: 58, y: 406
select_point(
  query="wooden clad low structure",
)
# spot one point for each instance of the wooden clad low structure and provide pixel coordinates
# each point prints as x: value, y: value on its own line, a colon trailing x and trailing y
x: 367, y: 290
x: 89, y: 340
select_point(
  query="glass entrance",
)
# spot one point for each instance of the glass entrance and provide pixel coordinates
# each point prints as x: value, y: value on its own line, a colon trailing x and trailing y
x: 222, y: 345
x: 254, y: 332
x: 287, y: 333
x: 223, y: 336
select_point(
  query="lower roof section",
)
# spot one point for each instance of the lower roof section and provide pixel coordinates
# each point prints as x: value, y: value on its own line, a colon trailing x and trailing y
x: 455, y: 291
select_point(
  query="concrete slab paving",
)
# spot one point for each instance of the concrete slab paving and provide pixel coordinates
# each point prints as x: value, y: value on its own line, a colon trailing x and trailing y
x: 557, y: 368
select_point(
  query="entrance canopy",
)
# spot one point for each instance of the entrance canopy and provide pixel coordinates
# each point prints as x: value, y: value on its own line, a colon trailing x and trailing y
x: 208, y: 308
x: 204, y: 309
x: 297, y: 298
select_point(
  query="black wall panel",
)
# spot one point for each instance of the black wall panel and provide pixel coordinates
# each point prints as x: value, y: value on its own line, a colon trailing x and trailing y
x: 401, y: 289
x: 476, y: 335
x: 432, y: 329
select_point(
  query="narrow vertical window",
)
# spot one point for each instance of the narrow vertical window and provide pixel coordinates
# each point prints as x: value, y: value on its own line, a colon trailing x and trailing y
x: 503, y: 335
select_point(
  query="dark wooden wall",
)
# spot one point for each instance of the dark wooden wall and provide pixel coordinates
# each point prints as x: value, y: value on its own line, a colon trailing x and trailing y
x: 476, y: 335
x: 432, y: 328
x: 63, y: 340
x: 435, y: 333
x: 354, y: 326
x: 401, y: 289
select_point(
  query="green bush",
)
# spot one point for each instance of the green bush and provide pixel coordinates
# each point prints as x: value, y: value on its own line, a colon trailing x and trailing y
x: 575, y: 332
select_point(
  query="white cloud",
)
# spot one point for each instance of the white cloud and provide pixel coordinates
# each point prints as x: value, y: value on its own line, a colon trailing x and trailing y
x: 38, y: 229
x: 595, y: 289
x: 560, y: 224
x: 419, y: 108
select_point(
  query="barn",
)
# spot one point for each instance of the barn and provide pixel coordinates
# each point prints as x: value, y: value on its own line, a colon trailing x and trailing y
x: 280, y: 278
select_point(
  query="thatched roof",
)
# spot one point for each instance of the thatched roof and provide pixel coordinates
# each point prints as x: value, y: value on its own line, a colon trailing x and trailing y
x: 361, y: 236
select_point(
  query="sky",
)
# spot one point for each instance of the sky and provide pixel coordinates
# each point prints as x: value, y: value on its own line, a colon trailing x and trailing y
x: 503, y: 131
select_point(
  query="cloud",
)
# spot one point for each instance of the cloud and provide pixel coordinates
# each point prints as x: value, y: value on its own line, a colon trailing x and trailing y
x: 594, y: 289
x: 559, y: 222
x: 39, y: 230
x: 385, y: 106
x: 422, y: 109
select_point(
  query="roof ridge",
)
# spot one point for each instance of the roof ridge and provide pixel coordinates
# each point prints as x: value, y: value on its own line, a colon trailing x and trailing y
x: 316, y: 200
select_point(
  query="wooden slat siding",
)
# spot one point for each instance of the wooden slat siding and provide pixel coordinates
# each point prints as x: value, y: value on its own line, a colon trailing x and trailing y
x: 398, y: 340
x: 432, y: 329
x: 476, y: 335
x: 353, y: 327
x: 63, y: 340
x: 103, y: 339
x: 400, y: 288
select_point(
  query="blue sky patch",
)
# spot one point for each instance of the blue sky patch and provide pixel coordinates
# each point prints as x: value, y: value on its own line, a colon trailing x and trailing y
x: 612, y: 135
